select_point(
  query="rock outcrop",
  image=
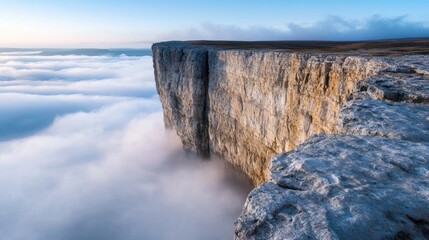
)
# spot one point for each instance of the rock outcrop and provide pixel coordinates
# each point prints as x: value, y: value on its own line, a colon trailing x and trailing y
x: 342, y: 187
x: 357, y: 125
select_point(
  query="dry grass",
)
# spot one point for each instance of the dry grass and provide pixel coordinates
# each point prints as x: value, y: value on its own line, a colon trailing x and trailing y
x: 379, y: 47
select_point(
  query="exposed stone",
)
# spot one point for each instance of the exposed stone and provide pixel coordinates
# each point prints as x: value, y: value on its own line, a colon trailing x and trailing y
x: 398, y: 87
x: 267, y: 102
x: 342, y: 187
x: 259, y: 103
x: 181, y: 74
x: 367, y: 181
x: 379, y: 118
x: 416, y: 63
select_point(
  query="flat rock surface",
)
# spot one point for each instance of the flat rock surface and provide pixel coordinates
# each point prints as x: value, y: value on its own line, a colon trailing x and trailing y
x: 398, y: 87
x: 379, y: 118
x: 342, y: 187
x: 418, y: 63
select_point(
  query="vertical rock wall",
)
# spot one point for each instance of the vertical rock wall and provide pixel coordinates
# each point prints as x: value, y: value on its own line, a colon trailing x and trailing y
x: 265, y: 102
x: 248, y: 105
x: 181, y: 74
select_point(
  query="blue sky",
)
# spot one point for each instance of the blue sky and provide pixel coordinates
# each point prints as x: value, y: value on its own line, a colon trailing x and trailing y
x: 34, y: 23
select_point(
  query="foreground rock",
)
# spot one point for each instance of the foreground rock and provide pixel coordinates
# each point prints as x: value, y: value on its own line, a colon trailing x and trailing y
x: 371, y: 182
x: 342, y: 187
x: 387, y: 119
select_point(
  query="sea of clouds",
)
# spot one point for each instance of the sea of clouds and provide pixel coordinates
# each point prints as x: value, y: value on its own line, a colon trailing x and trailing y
x: 84, y: 155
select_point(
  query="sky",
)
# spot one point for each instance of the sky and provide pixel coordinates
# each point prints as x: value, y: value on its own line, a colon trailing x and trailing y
x: 84, y: 155
x: 138, y: 23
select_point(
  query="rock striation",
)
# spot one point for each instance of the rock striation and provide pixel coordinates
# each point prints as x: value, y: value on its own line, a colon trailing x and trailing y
x: 356, y: 127
x: 181, y: 74
x: 247, y: 105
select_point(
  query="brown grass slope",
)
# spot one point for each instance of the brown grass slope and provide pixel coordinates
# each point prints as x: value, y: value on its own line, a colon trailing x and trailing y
x: 376, y: 47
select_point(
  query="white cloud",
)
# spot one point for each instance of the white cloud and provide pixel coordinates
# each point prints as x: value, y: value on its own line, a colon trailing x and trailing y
x: 330, y: 28
x: 35, y: 89
x: 77, y: 74
x: 85, y: 158
x: 20, y: 53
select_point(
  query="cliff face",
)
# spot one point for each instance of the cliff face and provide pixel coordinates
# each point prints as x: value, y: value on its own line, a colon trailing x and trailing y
x: 262, y: 103
x: 181, y: 74
x: 358, y: 128
x: 248, y: 105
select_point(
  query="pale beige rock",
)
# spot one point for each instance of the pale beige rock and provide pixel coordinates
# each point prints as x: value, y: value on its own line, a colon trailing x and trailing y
x: 248, y: 105
x: 266, y: 102
x: 257, y: 103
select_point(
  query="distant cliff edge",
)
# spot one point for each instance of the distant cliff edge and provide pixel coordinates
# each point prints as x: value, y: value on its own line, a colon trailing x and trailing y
x: 334, y: 134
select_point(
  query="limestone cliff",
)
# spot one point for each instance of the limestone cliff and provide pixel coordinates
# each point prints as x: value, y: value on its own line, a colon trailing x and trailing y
x: 364, y: 176
x: 265, y: 102
x: 248, y: 105
x: 181, y: 74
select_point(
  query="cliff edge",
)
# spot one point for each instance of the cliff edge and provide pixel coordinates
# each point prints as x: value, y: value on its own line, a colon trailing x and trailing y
x: 336, y: 137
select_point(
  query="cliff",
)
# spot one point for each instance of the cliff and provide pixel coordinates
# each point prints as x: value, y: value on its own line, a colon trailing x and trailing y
x: 368, y: 115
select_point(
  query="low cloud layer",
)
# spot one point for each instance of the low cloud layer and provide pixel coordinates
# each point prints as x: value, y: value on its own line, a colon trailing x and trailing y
x: 95, y: 75
x: 36, y: 89
x: 330, y: 28
x: 84, y: 155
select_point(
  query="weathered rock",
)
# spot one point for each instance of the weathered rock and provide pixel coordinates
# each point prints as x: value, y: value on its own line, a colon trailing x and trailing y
x: 398, y: 87
x: 342, y: 187
x: 370, y: 182
x: 247, y: 105
x: 414, y: 63
x: 258, y: 103
x: 181, y: 74
x: 267, y: 102
x: 379, y: 118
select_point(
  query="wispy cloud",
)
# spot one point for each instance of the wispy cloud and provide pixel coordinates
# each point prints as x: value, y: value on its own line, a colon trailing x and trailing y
x: 330, y: 28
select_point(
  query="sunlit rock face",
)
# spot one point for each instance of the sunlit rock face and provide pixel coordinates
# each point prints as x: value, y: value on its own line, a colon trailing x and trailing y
x: 358, y: 128
x: 264, y: 102
x: 248, y: 105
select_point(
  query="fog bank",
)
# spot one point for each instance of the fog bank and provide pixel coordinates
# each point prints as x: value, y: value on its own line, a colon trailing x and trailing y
x: 84, y: 155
